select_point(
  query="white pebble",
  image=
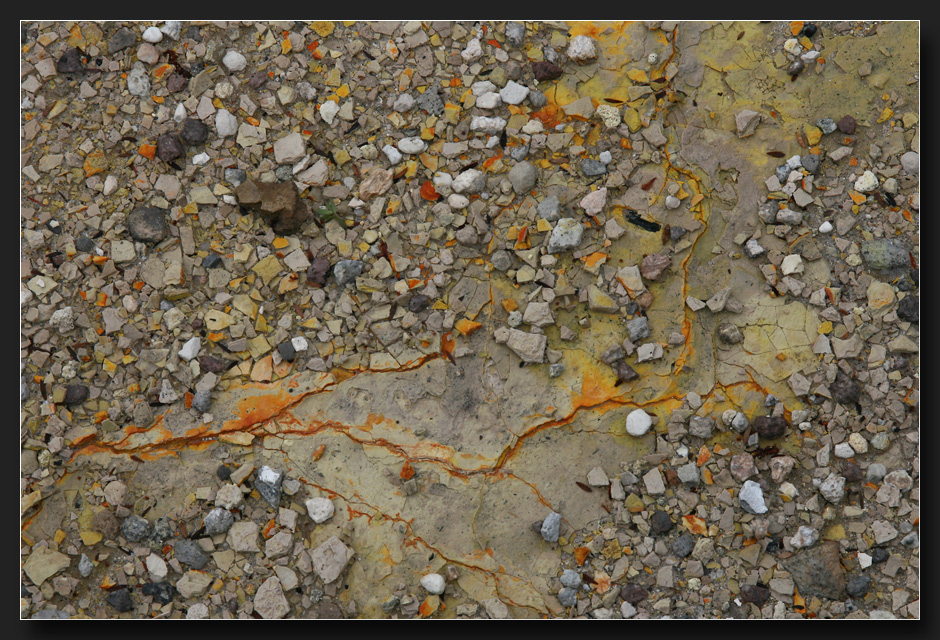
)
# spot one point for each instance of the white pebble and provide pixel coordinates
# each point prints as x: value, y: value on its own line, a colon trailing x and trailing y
x: 434, y: 583
x: 328, y: 111
x: 153, y: 35
x: 234, y: 61
x: 581, y: 49
x: 604, y: 156
x: 867, y: 182
x: 825, y: 227
x: 225, y: 123
x: 513, y: 93
x: 473, y: 51
x: 299, y: 343
x: 200, y: 159
x: 320, y: 509
x: 457, y: 201
x: 638, y: 423
x: 413, y: 145
x: 110, y: 185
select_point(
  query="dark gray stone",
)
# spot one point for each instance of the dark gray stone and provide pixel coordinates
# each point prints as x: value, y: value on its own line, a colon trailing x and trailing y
x: 122, y: 39
x: 70, y: 62
x: 162, y: 592
x: 217, y: 521
x: 268, y: 485
x: 148, y: 224
x: 85, y: 245
x: 810, y: 162
x: 430, y: 101
x: 591, y: 167
x: 639, y: 328
x: 134, y: 528
x: 76, y: 394
x: 683, y: 545
x: 660, y: 522
x: 202, y: 400
x: 537, y: 99
x: 909, y: 309
x: 190, y: 553
x: 120, y: 600
x: 194, y: 132
x: 235, y: 176
x: 826, y: 125
x: 418, y: 303
x: 163, y: 529
x: 858, y: 586
x: 347, y: 271
x: 286, y: 349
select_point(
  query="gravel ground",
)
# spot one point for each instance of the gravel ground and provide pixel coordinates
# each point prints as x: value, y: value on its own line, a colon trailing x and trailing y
x: 469, y: 319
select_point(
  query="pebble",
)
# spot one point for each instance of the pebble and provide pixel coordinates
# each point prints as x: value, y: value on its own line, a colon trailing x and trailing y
x: 804, y: 537
x: 571, y: 578
x: 638, y: 423
x: 660, y: 522
x: 566, y: 235
x: 229, y: 496
x: 770, y: 427
x: 633, y: 593
x: 523, y: 177
x: 551, y: 527
x: 639, y: 328
x: 581, y: 49
x: 910, y: 162
x: 469, y: 181
x: 825, y: 227
x: 867, y: 182
x: 320, y: 509
x: 796, y: 67
x: 225, y: 123
x: 594, y: 202
x: 846, y: 125
x: 568, y: 597
x: 513, y: 93
x: 826, y: 125
x: 591, y: 167
x: 413, y: 145
x: 234, y: 61
x: 433, y: 583
x: 153, y: 35
x: 134, y: 528
x: 190, y: 553
x: 751, y: 498
x: 346, y: 271
x: 121, y: 600
x: 218, y: 521
x: 546, y: 71
x: 832, y: 488
x: 138, y: 82
x: 858, y: 586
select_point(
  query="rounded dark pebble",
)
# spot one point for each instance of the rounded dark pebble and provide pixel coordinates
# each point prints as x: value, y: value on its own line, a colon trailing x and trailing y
x: 879, y: 555
x: 633, y: 593
x: 85, y: 245
x: 286, y: 349
x: 258, y: 79
x: 163, y: 529
x: 683, y: 545
x: 212, y: 260
x: 169, y: 147
x: 223, y: 472
x: 120, y: 600
x: 545, y: 71
x: 796, y: 68
x: 808, y: 30
x: 148, y: 224
x: 858, y: 586
x: 660, y: 522
x: 76, y: 393
x: 753, y: 593
x: 909, y: 309
x: 202, y: 401
x: 846, y: 125
x: 770, y: 428
x: 418, y: 303
x: 163, y: 592
x: 194, y: 132
x: 317, y: 272
x: 176, y: 83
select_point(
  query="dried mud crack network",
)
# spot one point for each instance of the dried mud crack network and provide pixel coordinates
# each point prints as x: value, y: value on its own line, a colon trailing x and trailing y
x: 469, y: 319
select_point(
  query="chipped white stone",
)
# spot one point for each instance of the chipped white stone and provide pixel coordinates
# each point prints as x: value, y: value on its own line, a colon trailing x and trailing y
x: 152, y: 35
x: 191, y: 349
x: 234, y: 61
x: 513, y: 93
x: 394, y: 155
x: 413, y: 145
x: 328, y: 111
x: 469, y: 181
x: 473, y: 51
x: 581, y: 49
x: 825, y: 227
x: 792, y: 263
x: 866, y: 182
x: 225, y: 123
x: 320, y: 509
x: 484, y: 124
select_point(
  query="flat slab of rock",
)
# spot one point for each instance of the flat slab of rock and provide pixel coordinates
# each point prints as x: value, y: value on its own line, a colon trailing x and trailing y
x: 817, y: 571
x: 43, y: 563
x: 270, y: 602
x: 329, y: 559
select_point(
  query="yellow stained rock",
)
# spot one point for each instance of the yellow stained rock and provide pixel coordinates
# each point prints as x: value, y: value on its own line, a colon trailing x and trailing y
x: 90, y: 538
x: 323, y: 27
x: 813, y: 134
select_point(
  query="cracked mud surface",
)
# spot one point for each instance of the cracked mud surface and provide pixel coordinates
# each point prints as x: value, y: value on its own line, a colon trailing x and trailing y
x: 437, y: 444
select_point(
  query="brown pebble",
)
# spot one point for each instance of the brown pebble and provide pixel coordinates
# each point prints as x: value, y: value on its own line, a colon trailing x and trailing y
x: 545, y: 71
x: 847, y: 125
x: 770, y: 428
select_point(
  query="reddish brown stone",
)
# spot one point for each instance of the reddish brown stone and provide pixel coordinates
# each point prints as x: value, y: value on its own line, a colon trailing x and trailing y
x: 847, y: 125
x: 545, y: 71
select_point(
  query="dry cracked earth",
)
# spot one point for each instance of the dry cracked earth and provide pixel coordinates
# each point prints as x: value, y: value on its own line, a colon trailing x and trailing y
x: 469, y: 319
